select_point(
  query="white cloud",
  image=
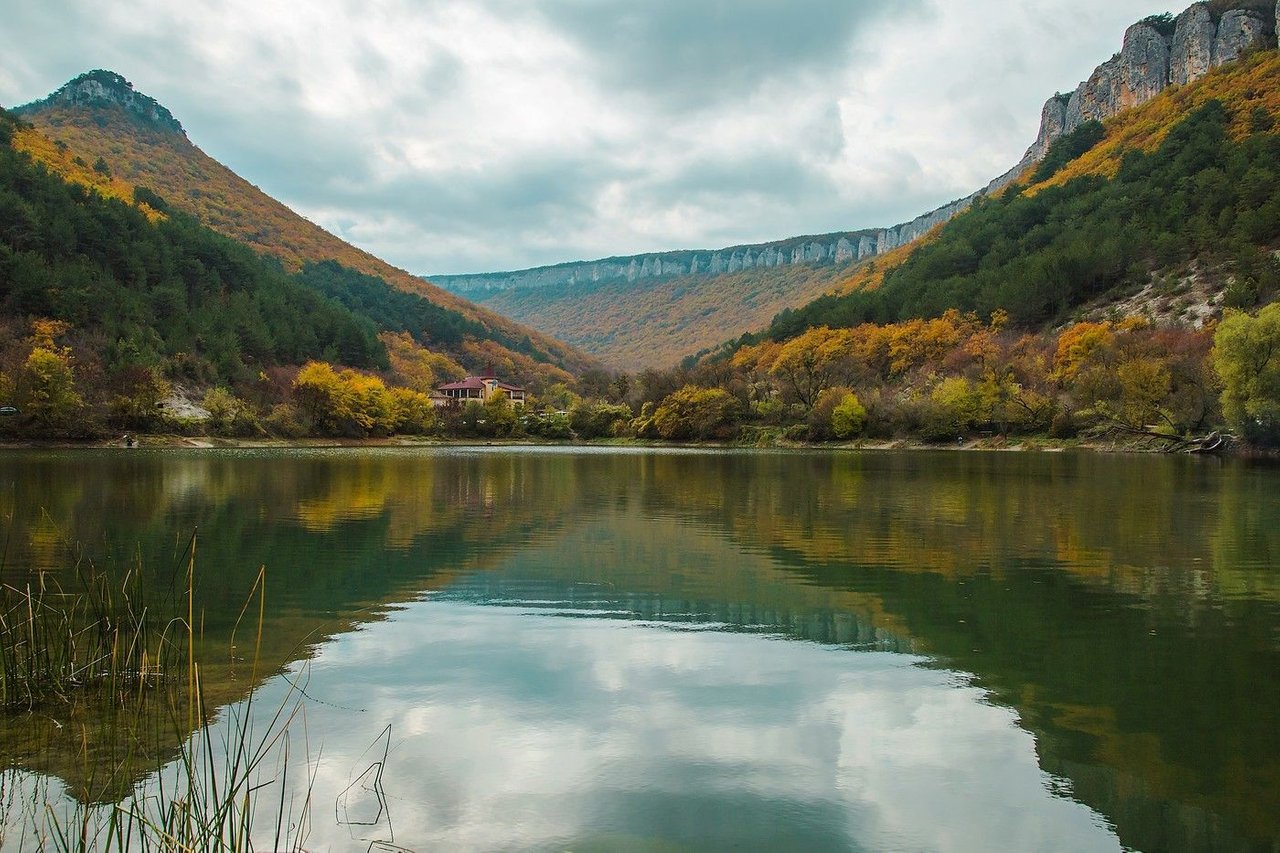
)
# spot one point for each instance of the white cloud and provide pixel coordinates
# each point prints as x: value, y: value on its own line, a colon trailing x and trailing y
x: 466, y: 136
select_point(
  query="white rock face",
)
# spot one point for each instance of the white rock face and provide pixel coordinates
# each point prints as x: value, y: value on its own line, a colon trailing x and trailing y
x: 1192, y: 49
x: 1144, y: 66
x: 1240, y: 31
x: 103, y: 88
x: 828, y: 248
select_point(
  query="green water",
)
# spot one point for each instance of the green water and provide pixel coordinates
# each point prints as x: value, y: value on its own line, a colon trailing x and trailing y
x: 614, y: 649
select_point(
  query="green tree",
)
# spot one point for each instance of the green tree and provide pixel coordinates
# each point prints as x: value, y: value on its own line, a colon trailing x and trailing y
x: 955, y: 407
x: 499, y: 415
x: 1246, y: 355
x: 472, y: 420
x: 848, y: 417
x: 696, y: 413
x: 47, y: 393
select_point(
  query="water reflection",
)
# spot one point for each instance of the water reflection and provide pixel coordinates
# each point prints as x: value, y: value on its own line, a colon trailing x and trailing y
x: 1124, y: 612
x: 514, y: 729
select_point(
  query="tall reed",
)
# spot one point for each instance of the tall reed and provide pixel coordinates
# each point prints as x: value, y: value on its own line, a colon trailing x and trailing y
x: 228, y: 786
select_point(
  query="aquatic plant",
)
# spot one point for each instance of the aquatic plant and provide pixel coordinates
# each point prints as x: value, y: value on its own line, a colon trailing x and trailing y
x: 110, y: 651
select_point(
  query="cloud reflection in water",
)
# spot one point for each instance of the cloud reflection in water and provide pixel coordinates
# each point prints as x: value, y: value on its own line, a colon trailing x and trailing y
x: 512, y: 728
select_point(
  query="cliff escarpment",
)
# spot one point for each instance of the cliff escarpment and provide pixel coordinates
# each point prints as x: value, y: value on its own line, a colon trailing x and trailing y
x: 824, y: 248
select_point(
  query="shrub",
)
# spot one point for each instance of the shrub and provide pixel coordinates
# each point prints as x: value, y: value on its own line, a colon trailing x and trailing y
x: 848, y: 417
x: 696, y: 413
x: 596, y: 419
x: 229, y: 415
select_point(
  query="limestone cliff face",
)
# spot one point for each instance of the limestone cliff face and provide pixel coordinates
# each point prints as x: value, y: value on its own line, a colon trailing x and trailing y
x: 824, y: 248
x: 99, y: 88
x: 1152, y: 59
x: 1242, y: 30
x: 1156, y: 53
x: 1192, y: 49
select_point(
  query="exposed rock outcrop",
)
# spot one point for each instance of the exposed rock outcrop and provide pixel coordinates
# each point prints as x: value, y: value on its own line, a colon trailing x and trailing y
x: 1192, y: 49
x: 1144, y: 65
x: 1240, y: 31
x: 824, y: 248
x: 102, y: 88
x: 1152, y: 59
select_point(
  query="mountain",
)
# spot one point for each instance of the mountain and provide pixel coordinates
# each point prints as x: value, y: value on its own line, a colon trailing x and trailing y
x: 650, y: 310
x: 1129, y: 216
x: 99, y: 118
x: 123, y: 295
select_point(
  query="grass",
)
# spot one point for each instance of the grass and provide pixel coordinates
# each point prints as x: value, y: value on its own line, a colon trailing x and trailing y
x: 56, y: 646
x: 107, y: 653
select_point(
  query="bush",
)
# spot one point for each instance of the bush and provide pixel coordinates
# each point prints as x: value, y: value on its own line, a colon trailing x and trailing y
x: 285, y: 421
x: 229, y: 415
x: 696, y: 413
x: 819, y: 418
x: 597, y: 419
x: 549, y: 424
x: 848, y: 417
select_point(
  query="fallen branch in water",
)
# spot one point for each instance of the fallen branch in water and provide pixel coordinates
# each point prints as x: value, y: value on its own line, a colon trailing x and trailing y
x: 1213, y: 442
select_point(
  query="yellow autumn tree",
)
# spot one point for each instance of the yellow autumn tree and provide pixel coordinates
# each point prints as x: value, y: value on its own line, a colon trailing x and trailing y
x: 809, y: 363
x: 346, y: 403
x: 45, y: 391
x: 1080, y: 344
x: 416, y: 367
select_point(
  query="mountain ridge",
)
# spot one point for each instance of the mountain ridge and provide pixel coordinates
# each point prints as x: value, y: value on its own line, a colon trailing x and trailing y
x: 100, y: 115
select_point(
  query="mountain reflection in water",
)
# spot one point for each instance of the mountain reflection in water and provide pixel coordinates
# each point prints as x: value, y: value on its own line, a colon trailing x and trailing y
x: 1000, y: 640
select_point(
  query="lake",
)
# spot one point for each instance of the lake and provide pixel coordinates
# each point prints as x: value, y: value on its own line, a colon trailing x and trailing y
x: 593, y: 649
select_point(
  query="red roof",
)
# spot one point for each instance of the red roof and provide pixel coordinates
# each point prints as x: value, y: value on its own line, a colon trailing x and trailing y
x: 477, y: 383
x: 471, y: 383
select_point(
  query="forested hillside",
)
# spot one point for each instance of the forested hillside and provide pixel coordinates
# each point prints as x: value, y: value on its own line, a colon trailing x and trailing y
x: 981, y: 328
x: 108, y: 303
x: 636, y: 325
x: 1191, y: 175
x: 156, y: 157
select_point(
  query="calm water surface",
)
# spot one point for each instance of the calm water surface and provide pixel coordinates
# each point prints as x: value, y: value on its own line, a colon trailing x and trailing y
x: 615, y: 649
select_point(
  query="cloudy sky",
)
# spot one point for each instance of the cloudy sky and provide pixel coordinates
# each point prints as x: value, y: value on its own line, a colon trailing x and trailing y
x: 477, y: 135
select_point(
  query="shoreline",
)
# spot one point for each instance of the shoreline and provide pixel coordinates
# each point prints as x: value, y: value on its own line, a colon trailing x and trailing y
x: 1028, y: 444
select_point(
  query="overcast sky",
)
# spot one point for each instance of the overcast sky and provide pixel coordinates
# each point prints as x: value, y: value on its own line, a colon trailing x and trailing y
x: 477, y: 135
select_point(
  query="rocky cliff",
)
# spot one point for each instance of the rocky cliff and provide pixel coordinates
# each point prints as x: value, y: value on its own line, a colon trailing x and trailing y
x: 106, y: 88
x: 824, y: 248
x: 1157, y: 52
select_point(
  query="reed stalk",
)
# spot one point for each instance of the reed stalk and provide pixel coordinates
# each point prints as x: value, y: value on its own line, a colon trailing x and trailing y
x: 104, y: 644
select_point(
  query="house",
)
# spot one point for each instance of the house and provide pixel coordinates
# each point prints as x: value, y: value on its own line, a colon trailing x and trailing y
x: 479, y: 388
